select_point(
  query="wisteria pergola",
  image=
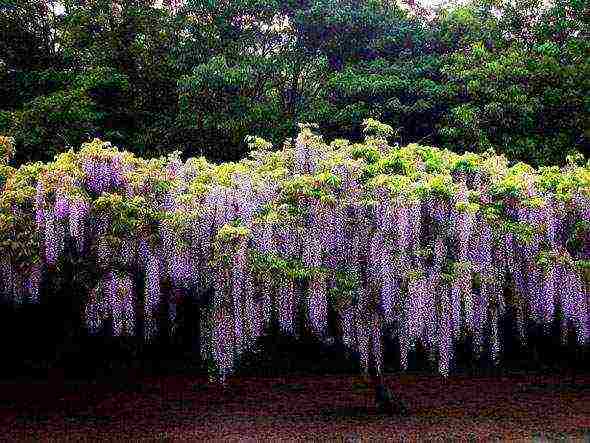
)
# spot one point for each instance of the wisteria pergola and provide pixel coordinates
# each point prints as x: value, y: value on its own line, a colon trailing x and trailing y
x: 425, y: 240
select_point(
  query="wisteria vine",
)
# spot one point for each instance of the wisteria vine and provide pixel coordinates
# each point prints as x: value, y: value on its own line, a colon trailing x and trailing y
x: 425, y: 240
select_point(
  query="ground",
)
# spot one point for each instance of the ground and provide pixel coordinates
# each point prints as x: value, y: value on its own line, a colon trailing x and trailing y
x: 296, y: 407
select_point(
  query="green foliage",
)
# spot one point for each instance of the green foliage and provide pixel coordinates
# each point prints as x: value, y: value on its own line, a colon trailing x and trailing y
x: 511, y: 76
x: 125, y: 213
x: 373, y: 128
x: 521, y: 98
x: 345, y: 289
x: 279, y: 267
x: 6, y: 150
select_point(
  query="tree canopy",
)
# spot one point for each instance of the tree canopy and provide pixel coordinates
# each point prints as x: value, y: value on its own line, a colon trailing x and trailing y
x: 199, y: 76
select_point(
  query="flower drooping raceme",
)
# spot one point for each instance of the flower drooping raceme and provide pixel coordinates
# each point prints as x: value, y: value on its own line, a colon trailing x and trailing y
x: 401, y: 264
x: 88, y: 167
x: 312, y: 250
x: 535, y: 288
x: 204, y: 231
x: 548, y: 294
x: 79, y: 210
x: 263, y: 237
x: 116, y: 301
x: 174, y: 167
x: 226, y: 210
x: 390, y: 290
x: 305, y: 161
x: 497, y: 282
x: 115, y: 171
x: 127, y: 255
x: 268, y: 295
x: 562, y: 222
x: 143, y: 252
x: 221, y: 284
x: 262, y: 310
x: 167, y: 241
x: 54, y: 238
x: 466, y: 289
x: 508, y: 251
x: 388, y: 223
x: 94, y: 310
x: 177, y: 263
x: 33, y: 282
x: 62, y: 205
x: 564, y: 331
x: 445, y: 331
x: 581, y: 201
x: 169, y: 201
x: 549, y: 221
x: 252, y: 315
x: 287, y: 307
x: 420, y: 263
x: 212, y: 203
x: 6, y: 276
x: 222, y: 341
x: 192, y: 270
x: 415, y: 306
x: 518, y: 274
x: 363, y: 330
x: 429, y: 324
x: 180, y: 265
x: 383, y: 211
x: 464, y: 224
x: 318, y: 305
x: 237, y: 288
x: 494, y: 337
x: 289, y: 240
x: 480, y: 316
x: 376, y: 257
x: 127, y: 289
x: 330, y: 237
x: 405, y: 340
x: 519, y: 270
x: 104, y: 253
x: 353, y: 253
x: 174, y: 300
x: 440, y: 253
x: 482, y: 255
x: 376, y: 343
x: 573, y: 300
x: 521, y: 325
x: 40, y: 206
x: 245, y: 198
x: 18, y: 288
x: 402, y: 220
x: 455, y: 300
x: 9, y: 280
x: 320, y: 225
x: 415, y: 224
x: 347, y: 319
x: 97, y: 175
x: 152, y: 295
x: 440, y: 210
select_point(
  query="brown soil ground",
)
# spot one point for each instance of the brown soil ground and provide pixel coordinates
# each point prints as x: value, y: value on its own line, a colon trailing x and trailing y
x: 295, y: 408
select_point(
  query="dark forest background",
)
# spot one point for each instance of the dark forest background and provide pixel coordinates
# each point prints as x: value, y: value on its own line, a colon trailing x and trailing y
x: 509, y: 75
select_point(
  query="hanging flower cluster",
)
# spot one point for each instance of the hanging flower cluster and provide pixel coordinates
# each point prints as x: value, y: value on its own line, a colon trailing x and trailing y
x: 427, y: 241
